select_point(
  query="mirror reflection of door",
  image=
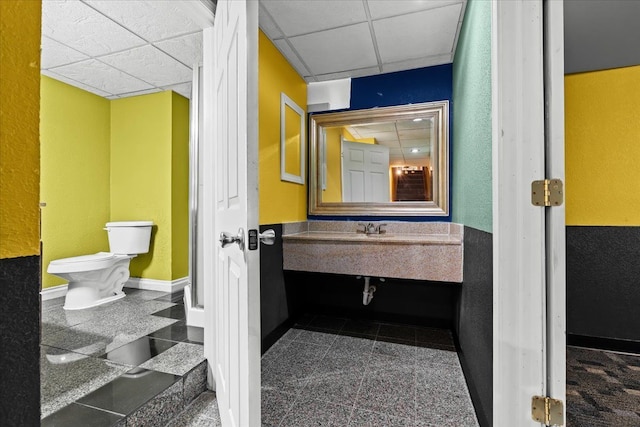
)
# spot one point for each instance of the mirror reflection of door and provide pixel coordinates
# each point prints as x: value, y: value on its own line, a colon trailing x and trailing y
x: 365, y: 172
x: 379, y: 162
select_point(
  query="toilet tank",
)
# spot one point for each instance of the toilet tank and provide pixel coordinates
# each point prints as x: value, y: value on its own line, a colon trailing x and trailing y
x: 129, y: 237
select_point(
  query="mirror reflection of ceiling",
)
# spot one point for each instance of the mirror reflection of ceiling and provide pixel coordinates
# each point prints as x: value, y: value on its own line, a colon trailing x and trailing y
x: 120, y: 48
x: 327, y: 40
x: 409, y: 141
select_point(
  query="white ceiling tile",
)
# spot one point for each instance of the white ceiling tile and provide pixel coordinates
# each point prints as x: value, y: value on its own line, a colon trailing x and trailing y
x: 55, y: 54
x: 412, y: 143
x: 362, y: 72
x: 140, y: 92
x: 340, y: 49
x: 411, y: 64
x: 291, y: 56
x: 82, y: 28
x: 150, y: 64
x: 410, y: 124
x: 186, y: 49
x: 75, y: 83
x: 267, y: 24
x: 102, y: 76
x: 183, y: 89
x: 422, y: 34
x: 296, y: 17
x: 383, y: 9
x: 152, y: 20
x: 112, y: 97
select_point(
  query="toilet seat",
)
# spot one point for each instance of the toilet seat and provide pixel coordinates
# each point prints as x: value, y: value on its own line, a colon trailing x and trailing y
x: 76, y: 264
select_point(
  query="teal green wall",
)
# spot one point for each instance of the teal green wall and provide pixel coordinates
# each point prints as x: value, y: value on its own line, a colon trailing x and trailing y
x: 471, y: 174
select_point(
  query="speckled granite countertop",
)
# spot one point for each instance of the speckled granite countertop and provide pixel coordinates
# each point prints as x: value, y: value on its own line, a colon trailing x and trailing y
x: 396, y: 238
x: 420, y: 251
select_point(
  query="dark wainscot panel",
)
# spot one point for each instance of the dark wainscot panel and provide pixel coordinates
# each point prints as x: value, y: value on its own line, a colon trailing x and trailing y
x: 20, y: 337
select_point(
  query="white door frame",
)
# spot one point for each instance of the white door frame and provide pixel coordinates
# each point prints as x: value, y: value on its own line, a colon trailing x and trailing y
x: 555, y: 219
x: 519, y: 300
x: 208, y: 211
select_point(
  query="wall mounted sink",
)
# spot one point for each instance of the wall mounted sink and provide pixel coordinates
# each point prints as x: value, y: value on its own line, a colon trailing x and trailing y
x: 420, y: 251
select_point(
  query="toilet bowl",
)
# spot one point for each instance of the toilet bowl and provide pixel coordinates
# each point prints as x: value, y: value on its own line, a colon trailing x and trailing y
x: 98, y: 278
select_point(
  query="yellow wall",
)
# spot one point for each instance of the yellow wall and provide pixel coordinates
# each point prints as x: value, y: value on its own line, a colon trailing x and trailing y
x: 603, y: 147
x: 349, y: 137
x: 19, y: 135
x: 145, y: 179
x: 333, y: 191
x: 279, y: 201
x: 75, y: 173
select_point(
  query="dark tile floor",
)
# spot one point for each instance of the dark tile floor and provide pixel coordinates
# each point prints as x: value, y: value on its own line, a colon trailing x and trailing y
x: 331, y: 371
x: 127, y: 363
x: 603, y: 388
x: 328, y: 371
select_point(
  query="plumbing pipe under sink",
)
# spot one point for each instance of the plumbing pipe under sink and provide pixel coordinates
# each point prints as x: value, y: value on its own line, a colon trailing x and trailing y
x: 367, y: 293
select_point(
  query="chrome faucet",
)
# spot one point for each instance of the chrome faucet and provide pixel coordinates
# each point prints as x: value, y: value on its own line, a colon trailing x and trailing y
x: 372, y: 228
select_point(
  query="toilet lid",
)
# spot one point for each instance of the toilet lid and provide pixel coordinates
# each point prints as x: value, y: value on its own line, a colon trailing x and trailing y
x: 100, y: 256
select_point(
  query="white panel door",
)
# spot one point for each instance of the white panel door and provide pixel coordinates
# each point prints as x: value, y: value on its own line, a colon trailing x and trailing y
x: 529, y: 241
x: 365, y: 172
x: 232, y: 205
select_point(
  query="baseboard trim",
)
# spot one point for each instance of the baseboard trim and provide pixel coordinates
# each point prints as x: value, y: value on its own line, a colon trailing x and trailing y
x: 195, y: 315
x: 625, y: 346
x: 53, y: 292
x: 157, y: 285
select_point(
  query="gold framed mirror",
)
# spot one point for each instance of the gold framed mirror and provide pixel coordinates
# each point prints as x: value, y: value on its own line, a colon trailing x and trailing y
x: 390, y: 161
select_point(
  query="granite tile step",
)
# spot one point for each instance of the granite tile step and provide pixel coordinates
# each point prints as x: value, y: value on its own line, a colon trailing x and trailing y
x: 139, y: 397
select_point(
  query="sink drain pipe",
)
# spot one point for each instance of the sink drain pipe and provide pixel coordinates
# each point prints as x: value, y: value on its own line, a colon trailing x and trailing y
x: 367, y: 293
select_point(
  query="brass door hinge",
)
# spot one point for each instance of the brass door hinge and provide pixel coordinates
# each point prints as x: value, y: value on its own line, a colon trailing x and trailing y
x: 547, y: 192
x: 547, y: 411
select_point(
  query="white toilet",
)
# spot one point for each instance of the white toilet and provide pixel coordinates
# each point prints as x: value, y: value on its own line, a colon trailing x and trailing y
x: 98, y: 279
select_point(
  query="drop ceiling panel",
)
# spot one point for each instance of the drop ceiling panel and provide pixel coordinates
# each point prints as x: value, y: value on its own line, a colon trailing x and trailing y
x: 385, y: 9
x: 183, y: 89
x: 186, y: 49
x: 80, y: 27
x: 102, y: 76
x: 296, y: 17
x: 337, y: 50
x: 359, y: 72
x: 427, y: 38
x: 137, y: 62
x: 374, y: 128
x: 392, y: 35
x: 411, y: 64
x: 152, y: 20
x: 290, y: 54
x: 75, y: 83
x: 414, y: 134
x: 421, y: 143
x: 136, y: 93
x: 410, y: 124
x: 55, y: 54
x: 267, y: 24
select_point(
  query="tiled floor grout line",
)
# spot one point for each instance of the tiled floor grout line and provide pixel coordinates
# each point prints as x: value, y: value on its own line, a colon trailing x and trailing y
x: 368, y: 411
